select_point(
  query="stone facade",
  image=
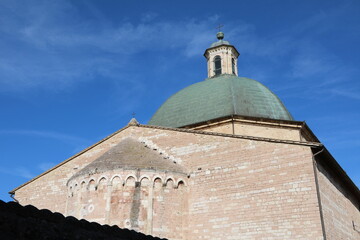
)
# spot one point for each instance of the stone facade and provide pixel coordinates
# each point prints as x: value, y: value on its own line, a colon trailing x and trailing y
x: 139, y: 200
x: 339, y: 206
x: 246, y: 187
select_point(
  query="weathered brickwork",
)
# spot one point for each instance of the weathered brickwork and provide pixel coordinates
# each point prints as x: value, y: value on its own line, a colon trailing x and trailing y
x: 232, y: 188
x: 50, y: 189
x: 340, y: 208
x: 252, y: 196
x: 126, y: 198
x: 245, y: 187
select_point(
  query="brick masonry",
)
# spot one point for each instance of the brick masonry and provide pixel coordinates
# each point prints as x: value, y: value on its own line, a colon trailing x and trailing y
x: 340, y: 208
x: 234, y: 188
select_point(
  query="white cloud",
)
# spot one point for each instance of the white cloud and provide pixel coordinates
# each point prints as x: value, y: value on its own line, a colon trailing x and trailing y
x: 147, y: 17
x: 308, y: 64
x: 44, y: 166
x: 48, y: 45
x: 55, y: 48
x: 349, y: 93
x: 18, y: 172
x: 25, y: 172
x: 47, y: 134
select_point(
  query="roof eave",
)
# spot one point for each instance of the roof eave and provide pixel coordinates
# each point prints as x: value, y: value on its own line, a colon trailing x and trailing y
x: 339, y: 172
x: 227, y: 45
x: 235, y: 116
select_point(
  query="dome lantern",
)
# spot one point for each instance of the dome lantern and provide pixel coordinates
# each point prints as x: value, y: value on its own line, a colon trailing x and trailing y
x: 222, y: 94
x: 221, y: 57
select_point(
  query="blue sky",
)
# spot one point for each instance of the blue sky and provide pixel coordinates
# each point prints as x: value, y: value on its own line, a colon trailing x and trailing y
x: 73, y: 72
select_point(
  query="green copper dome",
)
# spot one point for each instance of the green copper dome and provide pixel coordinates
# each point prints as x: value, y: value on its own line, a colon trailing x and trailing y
x: 221, y: 96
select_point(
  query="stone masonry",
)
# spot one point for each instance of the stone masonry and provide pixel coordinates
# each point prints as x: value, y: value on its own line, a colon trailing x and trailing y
x: 248, y: 188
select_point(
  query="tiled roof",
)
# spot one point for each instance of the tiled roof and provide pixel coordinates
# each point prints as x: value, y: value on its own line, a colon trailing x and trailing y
x: 28, y: 222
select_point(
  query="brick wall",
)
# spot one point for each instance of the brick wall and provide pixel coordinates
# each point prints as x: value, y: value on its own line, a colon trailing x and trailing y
x: 340, y: 208
x: 242, y: 187
x: 236, y: 187
x: 50, y: 191
x: 147, y: 201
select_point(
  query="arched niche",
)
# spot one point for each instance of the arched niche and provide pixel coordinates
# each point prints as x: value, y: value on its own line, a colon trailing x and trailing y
x: 158, y: 183
x: 181, y: 185
x: 102, y: 184
x: 92, y: 185
x: 145, y: 182
x: 83, y: 186
x: 116, y: 182
x: 130, y: 181
x: 170, y: 183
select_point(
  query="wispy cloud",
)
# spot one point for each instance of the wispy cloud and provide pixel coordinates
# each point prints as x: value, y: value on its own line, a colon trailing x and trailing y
x: 73, y: 140
x: 44, y: 166
x: 349, y: 93
x: 46, y: 43
x: 310, y: 62
x: 337, y: 119
x: 27, y: 173
x: 147, y: 17
x: 310, y: 66
x: 18, y: 172
x: 77, y: 143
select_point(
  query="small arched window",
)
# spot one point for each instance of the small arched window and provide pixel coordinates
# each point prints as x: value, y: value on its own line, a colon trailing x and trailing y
x: 217, y: 65
x: 233, y: 66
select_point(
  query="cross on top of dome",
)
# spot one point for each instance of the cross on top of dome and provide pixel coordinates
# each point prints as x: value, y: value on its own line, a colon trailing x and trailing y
x: 220, y: 34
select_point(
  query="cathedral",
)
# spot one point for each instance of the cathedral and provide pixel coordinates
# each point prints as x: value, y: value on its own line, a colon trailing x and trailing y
x: 220, y: 159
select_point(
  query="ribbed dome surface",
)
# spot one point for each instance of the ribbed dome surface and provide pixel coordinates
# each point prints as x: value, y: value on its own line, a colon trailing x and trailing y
x: 217, y: 97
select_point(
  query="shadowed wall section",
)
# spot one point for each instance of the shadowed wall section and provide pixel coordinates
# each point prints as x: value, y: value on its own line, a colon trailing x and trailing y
x: 150, y: 205
x: 135, y: 190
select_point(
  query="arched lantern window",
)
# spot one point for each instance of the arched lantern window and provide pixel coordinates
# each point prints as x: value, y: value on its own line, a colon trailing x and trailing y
x: 217, y: 65
x: 233, y: 66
